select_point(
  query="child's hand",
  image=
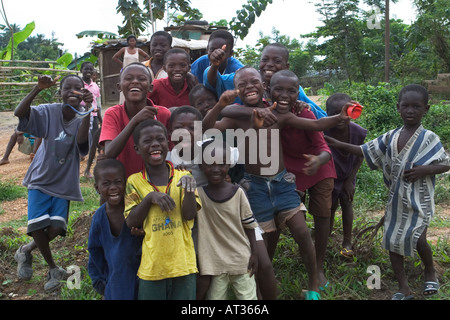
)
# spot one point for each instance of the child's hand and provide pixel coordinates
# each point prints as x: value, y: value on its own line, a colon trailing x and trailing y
x: 163, y: 200
x: 45, y: 81
x: 148, y: 112
x: 87, y: 96
x: 253, y: 264
x: 137, y: 232
x: 312, y: 165
x: 228, y: 97
x: 300, y: 106
x: 415, y: 173
x: 343, y: 115
x: 332, y: 142
x: 188, y: 183
x: 218, y: 56
x: 264, y: 117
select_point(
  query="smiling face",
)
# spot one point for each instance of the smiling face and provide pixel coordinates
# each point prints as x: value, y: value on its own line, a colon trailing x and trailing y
x: 177, y: 66
x: 284, y: 91
x: 135, y: 82
x: 159, y: 45
x: 273, y: 59
x: 412, y: 108
x: 216, y: 172
x: 110, y: 184
x: 87, y: 71
x: 69, y: 86
x: 248, y: 82
x: 153, y: 145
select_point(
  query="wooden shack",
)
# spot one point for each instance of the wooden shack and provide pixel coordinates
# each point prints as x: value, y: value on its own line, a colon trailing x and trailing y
x: 193, y: 37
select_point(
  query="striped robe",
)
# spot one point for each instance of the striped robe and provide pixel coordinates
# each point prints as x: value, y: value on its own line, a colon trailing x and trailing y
x: 410, y: 205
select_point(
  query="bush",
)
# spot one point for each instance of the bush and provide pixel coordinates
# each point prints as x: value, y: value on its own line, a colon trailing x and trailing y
x: 380, y: 109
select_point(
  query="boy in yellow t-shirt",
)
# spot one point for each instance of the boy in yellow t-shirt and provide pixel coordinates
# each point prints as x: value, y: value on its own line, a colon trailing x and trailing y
x: 163, y: 201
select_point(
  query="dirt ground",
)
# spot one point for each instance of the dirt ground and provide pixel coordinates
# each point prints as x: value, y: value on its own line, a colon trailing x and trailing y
x: 10, y: 287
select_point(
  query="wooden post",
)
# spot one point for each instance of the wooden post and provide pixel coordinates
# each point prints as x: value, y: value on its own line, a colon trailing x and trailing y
x: 386, y: 43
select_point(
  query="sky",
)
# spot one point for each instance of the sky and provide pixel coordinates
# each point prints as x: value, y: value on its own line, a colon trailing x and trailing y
x: 63, y: 19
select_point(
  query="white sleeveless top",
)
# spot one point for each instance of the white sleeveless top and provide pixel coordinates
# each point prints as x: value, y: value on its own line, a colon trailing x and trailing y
x: 130, y: 58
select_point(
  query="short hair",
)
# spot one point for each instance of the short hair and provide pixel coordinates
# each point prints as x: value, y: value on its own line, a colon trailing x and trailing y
x: 84, y: 64
x: 243, y: 69
x: 140, y: 65
x: 165, y: 34
x: 184, y: 109
x: 415, y: 88
x: 69, y: 76
x: 145, y: 124
x: 280, y: 46
x: 223, y: 34
x: 131, y: 36
x: 283, y: 73
x: 336, y: 98
x: 177, y: 51
x: 108, y: 163
x: 198, y: 88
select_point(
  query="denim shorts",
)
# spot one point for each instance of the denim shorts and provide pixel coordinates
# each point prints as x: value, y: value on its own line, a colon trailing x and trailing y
x: 45, y: 211
x: 269, y: 196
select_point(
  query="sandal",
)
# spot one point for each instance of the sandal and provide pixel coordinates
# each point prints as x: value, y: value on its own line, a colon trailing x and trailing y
x: 401, y: 296
x: 430, y: 288
x: 347, y: 253
x: 312, y: 295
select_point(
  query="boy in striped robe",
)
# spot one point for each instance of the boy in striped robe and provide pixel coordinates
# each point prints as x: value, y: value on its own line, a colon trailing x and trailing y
x: 410, y: 157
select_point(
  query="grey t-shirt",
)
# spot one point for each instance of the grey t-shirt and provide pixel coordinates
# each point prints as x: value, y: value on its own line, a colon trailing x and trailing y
x: 55, y: 169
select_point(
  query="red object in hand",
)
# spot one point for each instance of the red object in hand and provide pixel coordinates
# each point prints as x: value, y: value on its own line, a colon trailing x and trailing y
x: 354, y: 111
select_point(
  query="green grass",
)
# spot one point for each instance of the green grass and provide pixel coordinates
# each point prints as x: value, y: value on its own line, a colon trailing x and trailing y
x: 348, y: 279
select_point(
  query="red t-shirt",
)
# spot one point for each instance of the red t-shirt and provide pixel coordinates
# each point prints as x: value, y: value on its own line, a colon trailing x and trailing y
x: 114, y: 121
x: 296, y: 143
x: 163, y: 94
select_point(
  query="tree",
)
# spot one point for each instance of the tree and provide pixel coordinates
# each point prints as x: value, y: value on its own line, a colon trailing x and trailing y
x: 342, y: 33
x: 433, y: 26
x: 240, y: 25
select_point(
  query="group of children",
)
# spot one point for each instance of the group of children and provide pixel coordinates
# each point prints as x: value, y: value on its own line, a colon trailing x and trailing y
x: 186, y: 213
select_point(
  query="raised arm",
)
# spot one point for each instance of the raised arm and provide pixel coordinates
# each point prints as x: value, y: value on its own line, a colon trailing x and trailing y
x: 210, y: 120
x: 23, y: 109
x: 217, y: 57
x: 316, y: 125
x: 347, y: 147
x: 114, y: 147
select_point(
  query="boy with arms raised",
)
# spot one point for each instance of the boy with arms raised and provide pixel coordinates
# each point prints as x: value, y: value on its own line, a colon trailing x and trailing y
x: 53, y: 178
x: 280, y: 201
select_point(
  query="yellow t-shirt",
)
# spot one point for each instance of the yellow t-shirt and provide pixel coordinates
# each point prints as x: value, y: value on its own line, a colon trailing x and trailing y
x: 167, y: 247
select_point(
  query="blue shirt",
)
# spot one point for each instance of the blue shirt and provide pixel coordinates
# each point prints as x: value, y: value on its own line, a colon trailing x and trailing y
x: 113, y: 261
x: 198, y: 66
x: 318, y: 111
